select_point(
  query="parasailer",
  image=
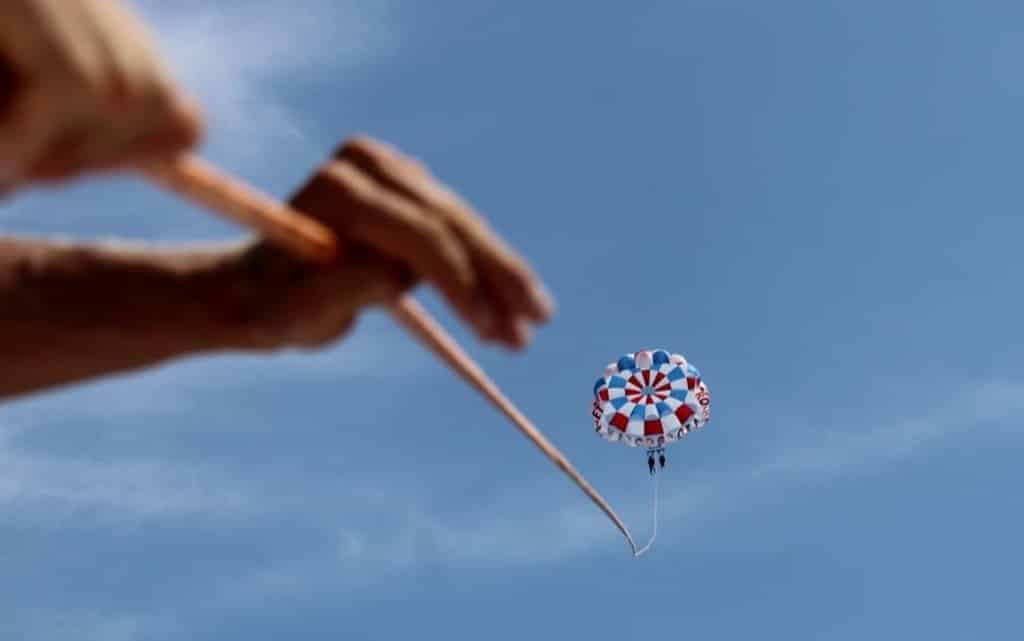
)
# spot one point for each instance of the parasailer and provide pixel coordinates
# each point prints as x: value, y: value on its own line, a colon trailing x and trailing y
x: 650, y: 399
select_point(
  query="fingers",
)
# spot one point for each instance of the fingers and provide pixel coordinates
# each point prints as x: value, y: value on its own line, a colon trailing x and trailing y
x: 86, y: 91
x: 355, y: 205
x: 150, y: 116
x: 506, y: 296
x: 387, y: 210
x: 77, y: 150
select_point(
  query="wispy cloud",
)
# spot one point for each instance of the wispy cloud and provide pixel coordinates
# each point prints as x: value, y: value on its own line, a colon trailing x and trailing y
x: 56, y: 489
x: 47, y: 624
x: 236, y: 56
x: 383, y: 532
x: 527, y: 531
x: 397, y: 532
x: 373, y: 533
x: 247, y: 63
x: 835, y: 452
x: 36, y: 483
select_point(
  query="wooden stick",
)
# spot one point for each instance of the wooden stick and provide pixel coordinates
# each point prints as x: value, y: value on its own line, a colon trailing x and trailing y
x: 191, y: 177
x: 419, y: 323
x: 199, y: 181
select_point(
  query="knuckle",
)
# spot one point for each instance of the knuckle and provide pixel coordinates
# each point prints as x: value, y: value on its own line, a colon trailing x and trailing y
x: 376, y: 157
x: 346, y: 181
x: 359, y: 146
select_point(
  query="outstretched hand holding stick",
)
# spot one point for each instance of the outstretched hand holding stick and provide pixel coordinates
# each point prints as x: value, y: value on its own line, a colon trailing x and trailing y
x: 194, y: 179
x: 82, y: 89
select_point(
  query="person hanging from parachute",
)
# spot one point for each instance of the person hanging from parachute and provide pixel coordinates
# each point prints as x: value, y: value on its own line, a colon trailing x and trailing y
x: 650, y: 399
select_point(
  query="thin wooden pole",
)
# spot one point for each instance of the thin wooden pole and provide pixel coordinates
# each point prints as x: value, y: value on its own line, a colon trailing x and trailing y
x: 195, y: 179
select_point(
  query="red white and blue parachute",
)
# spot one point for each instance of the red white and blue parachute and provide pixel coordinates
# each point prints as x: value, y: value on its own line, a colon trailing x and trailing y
x: 649, y: 399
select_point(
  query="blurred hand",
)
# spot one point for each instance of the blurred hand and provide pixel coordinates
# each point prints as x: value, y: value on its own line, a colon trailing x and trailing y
x: 397, y: 225
x: 83, y: 88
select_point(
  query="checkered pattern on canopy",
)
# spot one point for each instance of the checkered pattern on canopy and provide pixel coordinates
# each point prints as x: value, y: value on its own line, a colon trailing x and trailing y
x: 650, y: 398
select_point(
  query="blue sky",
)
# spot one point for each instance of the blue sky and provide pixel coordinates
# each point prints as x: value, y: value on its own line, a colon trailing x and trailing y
x: 817, y: 204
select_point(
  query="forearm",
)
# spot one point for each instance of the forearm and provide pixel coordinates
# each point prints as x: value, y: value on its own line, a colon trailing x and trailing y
x: 70, y: 312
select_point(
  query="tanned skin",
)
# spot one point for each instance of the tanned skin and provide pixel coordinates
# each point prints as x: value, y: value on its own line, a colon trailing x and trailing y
x: 82, y: 89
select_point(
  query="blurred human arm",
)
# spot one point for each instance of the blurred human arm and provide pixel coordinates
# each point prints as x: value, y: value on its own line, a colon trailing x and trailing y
x: 74, y: 311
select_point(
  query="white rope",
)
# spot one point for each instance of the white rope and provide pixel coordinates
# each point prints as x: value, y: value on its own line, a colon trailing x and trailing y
x: 637, y: 552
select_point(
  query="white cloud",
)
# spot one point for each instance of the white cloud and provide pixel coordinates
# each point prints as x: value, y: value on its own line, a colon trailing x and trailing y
x: 235, y: 55
x: 59, y: 488
x: 380, y: 532
x: 238, y: 59
x: 53, y: 625
x: 386, y: 533
x: 526, y: 531
x: 517, y: 529
x: 834, y: 452
x: 37, y: 483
